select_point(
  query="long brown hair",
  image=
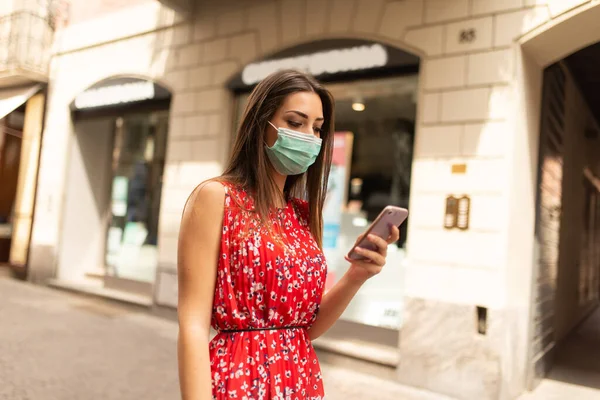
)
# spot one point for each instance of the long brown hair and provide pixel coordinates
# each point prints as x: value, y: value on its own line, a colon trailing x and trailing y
x: 249, y: 165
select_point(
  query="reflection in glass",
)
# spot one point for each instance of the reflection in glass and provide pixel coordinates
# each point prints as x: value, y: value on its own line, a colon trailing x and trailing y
x: 138, y: 163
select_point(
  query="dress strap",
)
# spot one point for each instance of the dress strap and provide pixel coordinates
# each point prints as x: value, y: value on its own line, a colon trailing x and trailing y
x: 239, y: 197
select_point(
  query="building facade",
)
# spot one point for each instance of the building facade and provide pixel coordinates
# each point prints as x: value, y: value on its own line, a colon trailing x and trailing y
x: 26, y: 34
x: 460, y: 110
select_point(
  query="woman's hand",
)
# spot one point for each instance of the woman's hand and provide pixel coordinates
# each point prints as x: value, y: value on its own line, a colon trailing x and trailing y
x: 373, y: 262
x: 339, y: 296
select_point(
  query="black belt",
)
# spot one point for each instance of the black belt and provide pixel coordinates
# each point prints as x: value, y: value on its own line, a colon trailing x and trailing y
x: 274, y: 328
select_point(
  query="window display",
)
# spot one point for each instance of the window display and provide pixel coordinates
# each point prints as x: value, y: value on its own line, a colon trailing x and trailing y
x: 138, y: 162
x: 371, y: 166
x: 11, y: 142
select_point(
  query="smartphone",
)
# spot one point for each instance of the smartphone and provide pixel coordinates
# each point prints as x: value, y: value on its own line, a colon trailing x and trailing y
x: 390, y: 216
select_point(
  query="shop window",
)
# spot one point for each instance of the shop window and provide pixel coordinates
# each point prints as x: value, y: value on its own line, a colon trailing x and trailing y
x: 375, y: 126
x: 138, y: 163
x: 10, y: 157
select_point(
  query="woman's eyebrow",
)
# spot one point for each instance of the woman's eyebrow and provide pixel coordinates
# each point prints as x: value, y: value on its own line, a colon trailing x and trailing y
x: 301, y: 114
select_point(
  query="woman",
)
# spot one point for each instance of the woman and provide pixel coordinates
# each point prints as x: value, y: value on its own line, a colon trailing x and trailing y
x: 250, y: 261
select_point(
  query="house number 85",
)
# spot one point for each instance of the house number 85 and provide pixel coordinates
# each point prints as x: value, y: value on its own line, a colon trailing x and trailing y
x: 467, y: 36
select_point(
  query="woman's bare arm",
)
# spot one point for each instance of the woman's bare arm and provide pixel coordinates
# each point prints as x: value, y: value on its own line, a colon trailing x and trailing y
x: 337, y: 299
x: 333, y: 305
x: 199, y: 241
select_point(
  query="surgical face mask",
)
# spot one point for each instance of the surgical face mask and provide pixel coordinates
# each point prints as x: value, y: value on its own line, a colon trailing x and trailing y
x: 293, y: 152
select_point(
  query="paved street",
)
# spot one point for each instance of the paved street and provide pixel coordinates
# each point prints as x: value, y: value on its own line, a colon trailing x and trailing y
x: 59, y: 346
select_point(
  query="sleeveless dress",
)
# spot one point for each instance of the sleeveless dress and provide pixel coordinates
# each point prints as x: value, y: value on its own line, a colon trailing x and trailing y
x: 267, y: 294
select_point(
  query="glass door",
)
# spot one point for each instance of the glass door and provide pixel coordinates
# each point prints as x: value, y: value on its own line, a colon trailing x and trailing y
x: 137, y: 164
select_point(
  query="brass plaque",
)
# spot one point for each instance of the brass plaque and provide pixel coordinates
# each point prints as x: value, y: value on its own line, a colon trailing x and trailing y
x: 451, y: 212
x: 457, y: 213
x: 463, y: 212
x: 459, y: 168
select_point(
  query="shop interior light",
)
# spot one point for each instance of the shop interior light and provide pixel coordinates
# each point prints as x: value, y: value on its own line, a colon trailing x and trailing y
x: 360, y: 222
x: 356, y: 186
x: 358, y: 106
x: 149, y: 151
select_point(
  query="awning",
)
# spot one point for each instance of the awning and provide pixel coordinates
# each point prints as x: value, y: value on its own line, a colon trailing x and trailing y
x: 13, y: 98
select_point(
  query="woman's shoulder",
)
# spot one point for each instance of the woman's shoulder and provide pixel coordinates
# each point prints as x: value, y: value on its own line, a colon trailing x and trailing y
x: 209, y: 194
x: 202, y: 209
x: 236, y: 196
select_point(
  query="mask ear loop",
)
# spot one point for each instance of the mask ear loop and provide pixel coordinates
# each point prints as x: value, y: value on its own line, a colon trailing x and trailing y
x: 265, y: 139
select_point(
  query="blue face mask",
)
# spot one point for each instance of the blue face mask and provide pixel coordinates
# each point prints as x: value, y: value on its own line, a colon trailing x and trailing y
x: 293, y: 152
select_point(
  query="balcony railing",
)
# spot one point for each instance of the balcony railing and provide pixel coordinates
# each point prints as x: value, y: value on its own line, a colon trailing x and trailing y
x: 26, y: 40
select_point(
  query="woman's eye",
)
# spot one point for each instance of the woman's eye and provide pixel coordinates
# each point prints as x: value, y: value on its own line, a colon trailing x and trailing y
x: 294, y: 124
x: 318, y: 131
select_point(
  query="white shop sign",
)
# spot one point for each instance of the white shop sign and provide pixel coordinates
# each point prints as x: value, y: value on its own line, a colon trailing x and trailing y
x: 119, y: 92
x: 115, y: 94
x: 324, y: 62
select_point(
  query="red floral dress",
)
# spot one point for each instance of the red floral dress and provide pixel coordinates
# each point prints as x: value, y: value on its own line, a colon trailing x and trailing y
x: 266, y: 278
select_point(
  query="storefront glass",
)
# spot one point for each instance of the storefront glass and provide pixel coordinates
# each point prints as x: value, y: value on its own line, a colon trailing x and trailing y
x: 138, y: 163
x: 375, y: 125
x: 11, y: 133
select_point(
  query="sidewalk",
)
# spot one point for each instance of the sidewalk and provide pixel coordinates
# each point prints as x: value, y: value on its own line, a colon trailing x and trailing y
x: 59, y: 346
x: 576, y: 373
